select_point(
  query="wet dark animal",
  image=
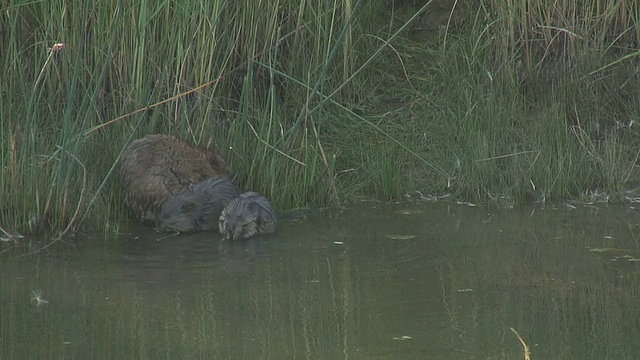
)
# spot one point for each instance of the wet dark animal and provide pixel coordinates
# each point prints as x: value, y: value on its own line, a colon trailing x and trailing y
x: 247, y: 215
x: 198, y: 208
x: 157, y: 166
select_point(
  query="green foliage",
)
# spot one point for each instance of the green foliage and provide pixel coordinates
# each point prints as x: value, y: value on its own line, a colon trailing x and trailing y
x: 317, y: 103
x: 532, y: 124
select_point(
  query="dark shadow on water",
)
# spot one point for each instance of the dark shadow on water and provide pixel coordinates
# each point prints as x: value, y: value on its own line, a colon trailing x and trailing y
x: 438, y: 281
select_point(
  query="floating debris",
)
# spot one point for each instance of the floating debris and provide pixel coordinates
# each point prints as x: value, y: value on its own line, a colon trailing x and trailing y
x: 470, y: 204
x: 11, y: 237
x: 603, y: 249
x: 632, y: 199
x: 430, y: 197
x: 402, y: 338
x: 628, y: 258
x: 401, y: 237
x: 37, y: 296
x: 407, y: 212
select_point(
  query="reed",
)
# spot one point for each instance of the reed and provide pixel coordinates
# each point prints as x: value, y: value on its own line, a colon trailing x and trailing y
x: 540, y: 32
x: 511, y: 111
x: 198, y: 70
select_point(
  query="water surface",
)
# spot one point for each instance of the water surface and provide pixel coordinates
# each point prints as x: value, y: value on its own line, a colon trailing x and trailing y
x: 439, y: 281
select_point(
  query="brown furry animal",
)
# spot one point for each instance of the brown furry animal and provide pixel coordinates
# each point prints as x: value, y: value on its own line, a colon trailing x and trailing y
x: 198, y: 208
x: 157, y: 166
x: 247, y: 215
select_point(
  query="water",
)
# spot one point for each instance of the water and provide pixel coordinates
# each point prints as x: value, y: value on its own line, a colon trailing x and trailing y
x: 430, y: 282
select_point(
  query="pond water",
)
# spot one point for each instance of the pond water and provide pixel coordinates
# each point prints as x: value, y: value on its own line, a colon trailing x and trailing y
x: 439, y: 281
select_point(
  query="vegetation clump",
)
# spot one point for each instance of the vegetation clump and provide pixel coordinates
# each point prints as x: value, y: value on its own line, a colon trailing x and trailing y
x: 318, y: 103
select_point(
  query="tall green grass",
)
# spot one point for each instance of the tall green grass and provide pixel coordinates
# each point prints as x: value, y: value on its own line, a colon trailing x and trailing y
x: 203, y: 71
x: 498, y: 114
x: 316, y: 103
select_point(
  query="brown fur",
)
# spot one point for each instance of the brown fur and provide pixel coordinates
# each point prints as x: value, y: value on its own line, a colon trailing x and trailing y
x: 156, y: 166
x: 197, y: 208
x: 248, y: 215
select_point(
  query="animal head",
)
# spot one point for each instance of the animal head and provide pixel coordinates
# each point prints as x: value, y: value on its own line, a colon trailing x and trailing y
x: 240, y: 219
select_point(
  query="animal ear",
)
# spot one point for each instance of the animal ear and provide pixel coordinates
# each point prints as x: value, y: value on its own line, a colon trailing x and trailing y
x: 263, y: 216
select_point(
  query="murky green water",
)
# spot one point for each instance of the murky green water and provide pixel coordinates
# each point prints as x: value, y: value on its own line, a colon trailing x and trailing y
x: 436, y: 282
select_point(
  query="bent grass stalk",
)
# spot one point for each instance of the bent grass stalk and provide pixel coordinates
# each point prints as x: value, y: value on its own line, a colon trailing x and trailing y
x: 74, y: 221
x: 525, y: 347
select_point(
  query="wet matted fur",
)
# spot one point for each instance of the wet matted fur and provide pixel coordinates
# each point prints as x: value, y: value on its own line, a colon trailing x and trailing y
x: 157, y: 166
x: 198, y: 208
x: 247, y: 215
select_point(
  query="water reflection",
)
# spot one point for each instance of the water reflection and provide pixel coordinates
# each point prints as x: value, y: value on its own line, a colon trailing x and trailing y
x: 432, y: 282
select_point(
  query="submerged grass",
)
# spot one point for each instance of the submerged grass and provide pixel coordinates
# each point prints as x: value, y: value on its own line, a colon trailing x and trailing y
x: 317, y: 104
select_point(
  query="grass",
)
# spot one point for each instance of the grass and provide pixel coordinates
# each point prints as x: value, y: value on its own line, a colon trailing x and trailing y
x: 319, y: 104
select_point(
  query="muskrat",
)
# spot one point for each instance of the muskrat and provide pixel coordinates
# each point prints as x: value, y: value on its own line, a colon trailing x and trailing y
x: 247, y: 215
x: 157, y: 166
x: 197, y: 208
